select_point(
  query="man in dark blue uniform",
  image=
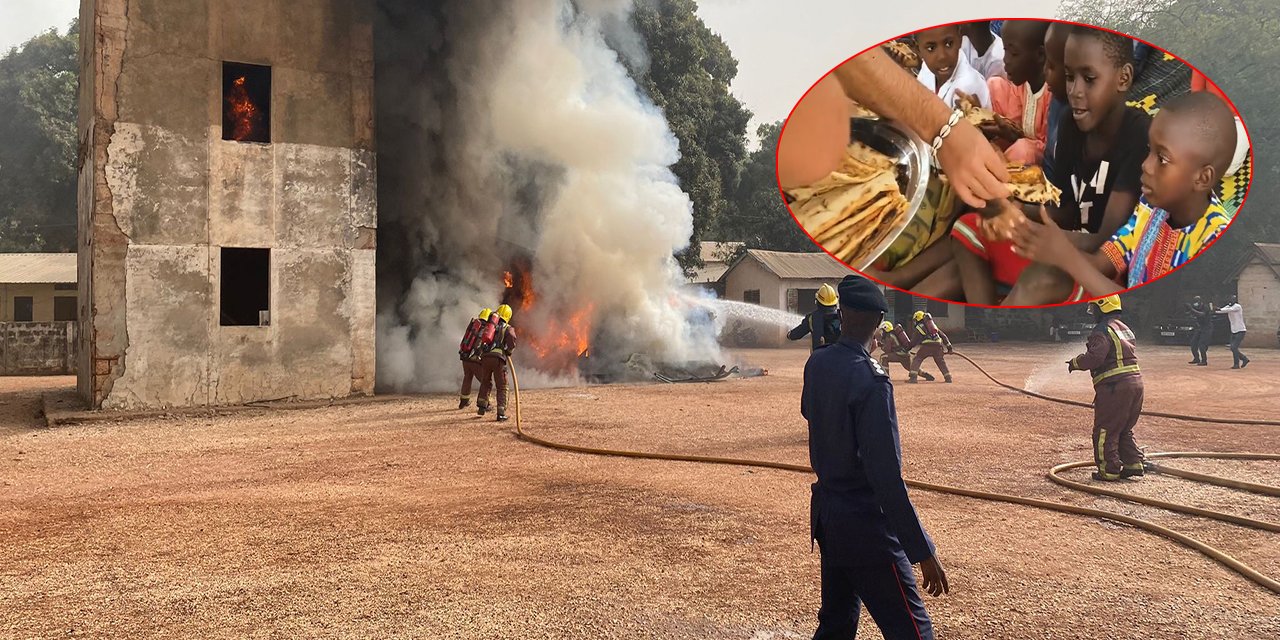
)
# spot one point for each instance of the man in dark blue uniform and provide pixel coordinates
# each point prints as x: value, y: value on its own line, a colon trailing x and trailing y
x: 823, y: 323
x: 860, y: 514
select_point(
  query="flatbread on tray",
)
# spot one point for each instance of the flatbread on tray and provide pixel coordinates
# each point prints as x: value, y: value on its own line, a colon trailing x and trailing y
x: 853, y: 209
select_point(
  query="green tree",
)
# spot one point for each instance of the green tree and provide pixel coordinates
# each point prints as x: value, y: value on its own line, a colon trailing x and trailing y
x: 39, y: 83
x: 687, y: 75
x: 1236, y: 43
x: 757, y: 215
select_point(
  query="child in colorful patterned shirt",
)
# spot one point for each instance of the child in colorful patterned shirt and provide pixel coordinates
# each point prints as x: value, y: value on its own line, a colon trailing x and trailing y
x: 1192, y: 141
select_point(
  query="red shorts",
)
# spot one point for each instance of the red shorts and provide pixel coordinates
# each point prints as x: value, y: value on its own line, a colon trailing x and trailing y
x: 1006, y: 265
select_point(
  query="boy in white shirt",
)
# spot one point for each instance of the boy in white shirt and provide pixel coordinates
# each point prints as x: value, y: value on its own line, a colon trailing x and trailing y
x: 983, y: 49
x: 1235, y: 315
x: 945, y: 71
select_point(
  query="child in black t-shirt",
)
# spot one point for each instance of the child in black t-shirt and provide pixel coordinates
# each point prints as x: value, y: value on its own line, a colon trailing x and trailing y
x: 1097, y: 165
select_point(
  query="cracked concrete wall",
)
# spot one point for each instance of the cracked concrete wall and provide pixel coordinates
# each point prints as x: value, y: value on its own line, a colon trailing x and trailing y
x: 162, y: 193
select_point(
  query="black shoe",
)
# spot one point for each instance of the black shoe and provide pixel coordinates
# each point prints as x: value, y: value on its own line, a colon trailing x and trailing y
x: 480, y: 410
x: 462, y: 403
x: 1235, y: 366
x: 1202, y: 364
x: 1132, y: 473
x: 948, y: 379
x: 1245, y: 363
x: 927, y: 376
x: 1106, y: 477
x: 912, y: 380
x: 502, y: 417
x: 1197, y: 361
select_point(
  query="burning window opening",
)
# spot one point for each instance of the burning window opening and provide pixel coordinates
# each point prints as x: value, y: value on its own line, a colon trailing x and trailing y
x: 245, y: 288
x: 562, y: 343
x: 246, y: 102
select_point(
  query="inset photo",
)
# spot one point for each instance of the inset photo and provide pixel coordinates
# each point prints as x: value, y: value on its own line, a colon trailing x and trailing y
x: 1016, y: 163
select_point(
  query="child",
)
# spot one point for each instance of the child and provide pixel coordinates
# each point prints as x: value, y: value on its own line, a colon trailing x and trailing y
x: 1055, y: 44
x: 1097, y: 165
x: 945, y: 71
x: 984, y: 50
x: 1024, y: 96
x: 1192, y: 143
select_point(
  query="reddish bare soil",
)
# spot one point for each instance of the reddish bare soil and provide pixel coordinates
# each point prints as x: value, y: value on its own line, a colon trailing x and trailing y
x: 408, y: 518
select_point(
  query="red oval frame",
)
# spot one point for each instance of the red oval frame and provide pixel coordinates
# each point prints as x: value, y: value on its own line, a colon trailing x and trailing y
x: 1209, y: 84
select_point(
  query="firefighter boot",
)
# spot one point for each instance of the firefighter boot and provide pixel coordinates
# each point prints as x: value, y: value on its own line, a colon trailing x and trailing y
x: 1135, y: 470
x: 1106, y: 477
x: 502, y: 415
x: 463, y: 402
x: 947, y: 377
x: 481, y: 409
x: 928, y: 377
x: 912, y: 379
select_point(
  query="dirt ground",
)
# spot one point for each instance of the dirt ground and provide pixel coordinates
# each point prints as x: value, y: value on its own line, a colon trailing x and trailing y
x: 408, y: 518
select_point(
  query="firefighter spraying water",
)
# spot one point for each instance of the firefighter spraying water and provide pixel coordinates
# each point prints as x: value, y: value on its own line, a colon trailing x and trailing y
x: 930, y: 342
x: 1111, y: 357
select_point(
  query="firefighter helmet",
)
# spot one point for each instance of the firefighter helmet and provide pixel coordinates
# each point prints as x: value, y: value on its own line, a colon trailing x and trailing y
x: 504, y: 312
x: 886, y: 326
x: 827, y: 296
x: 918, y: 316
x: 1109, y: 304
x: 484, y: 314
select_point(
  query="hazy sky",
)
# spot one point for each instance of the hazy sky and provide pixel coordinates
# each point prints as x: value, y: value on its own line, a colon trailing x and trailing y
x: 21, y: 19
x: 782, y: 47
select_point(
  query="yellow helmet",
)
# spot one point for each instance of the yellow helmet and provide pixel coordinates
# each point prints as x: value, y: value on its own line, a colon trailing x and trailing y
x: 918, y: 316
x: 827, y: 296
x: 886, y: 326
x: 484, y: 314
x: 504, y: 312
x: 1109, y: 304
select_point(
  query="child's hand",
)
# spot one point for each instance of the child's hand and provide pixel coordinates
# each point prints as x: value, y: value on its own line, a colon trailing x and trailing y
x: 1045, y: 243
x: 1001, y: 227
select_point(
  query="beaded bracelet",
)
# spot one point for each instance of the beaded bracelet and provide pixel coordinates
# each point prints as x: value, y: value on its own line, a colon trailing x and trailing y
x: 946, y: 131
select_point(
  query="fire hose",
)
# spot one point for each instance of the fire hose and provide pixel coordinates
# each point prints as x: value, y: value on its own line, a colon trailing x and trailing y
x: 1211, y: 552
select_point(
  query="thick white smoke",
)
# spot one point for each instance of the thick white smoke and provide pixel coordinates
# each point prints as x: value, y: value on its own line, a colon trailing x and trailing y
x: 557, y: 155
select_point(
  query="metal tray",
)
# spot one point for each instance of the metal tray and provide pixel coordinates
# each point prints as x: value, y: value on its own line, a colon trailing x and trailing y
x: 913, y: 160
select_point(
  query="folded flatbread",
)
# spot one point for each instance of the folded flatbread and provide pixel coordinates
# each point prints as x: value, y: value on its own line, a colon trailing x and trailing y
x: 903, y: 54
x: 977, y: 115
x: 1028, y: 183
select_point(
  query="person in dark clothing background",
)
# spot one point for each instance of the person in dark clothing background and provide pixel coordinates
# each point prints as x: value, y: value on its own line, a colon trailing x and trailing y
x: 860, y: 513
x: 1202, y: 316
x: 822, y: 324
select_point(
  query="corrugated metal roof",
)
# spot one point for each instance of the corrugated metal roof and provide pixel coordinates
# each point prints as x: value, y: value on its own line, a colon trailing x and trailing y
x: 31, y: 268
x: 807, y: 266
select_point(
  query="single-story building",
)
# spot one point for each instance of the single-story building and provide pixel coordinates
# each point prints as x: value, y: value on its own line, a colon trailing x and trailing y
x: 38, y: 287
x: 790, y: 281
x: 716, y: 257
x: 1258, y: 288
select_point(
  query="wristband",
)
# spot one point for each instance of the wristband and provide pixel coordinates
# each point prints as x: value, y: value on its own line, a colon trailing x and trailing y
x: 946, y: 131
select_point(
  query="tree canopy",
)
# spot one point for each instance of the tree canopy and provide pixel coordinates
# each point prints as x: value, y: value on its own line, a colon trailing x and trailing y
x: 39, y: 82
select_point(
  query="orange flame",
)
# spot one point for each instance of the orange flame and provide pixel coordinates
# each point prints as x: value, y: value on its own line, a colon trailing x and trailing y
x: 559, y: 346
x: 244, y: 112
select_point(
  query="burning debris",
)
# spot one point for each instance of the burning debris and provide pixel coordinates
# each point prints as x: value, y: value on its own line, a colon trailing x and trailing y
x: 519, y: 162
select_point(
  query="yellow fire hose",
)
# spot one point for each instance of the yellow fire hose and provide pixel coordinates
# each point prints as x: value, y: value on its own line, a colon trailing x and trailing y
x: 1187, y: 541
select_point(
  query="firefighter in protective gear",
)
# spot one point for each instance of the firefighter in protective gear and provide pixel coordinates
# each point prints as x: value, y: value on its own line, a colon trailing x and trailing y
x: 469, y: 354
x: 823, y: 323
x: 931, y: 343
x: 1111, y: 358
x: 895, y: 346
x: 493, y: 364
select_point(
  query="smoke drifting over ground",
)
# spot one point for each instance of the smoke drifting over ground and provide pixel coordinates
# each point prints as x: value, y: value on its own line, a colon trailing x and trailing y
x: 511, y: 130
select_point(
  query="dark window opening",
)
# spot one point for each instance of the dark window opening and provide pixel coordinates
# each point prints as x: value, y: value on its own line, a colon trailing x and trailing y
x: 246, y: 102
x: 23, y: 308
x: 245, y: 287
x: 752, y: 296
x: 938, y: 309
x: 806, y: 301
x: 64, y: 309
x: 64, y: 286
